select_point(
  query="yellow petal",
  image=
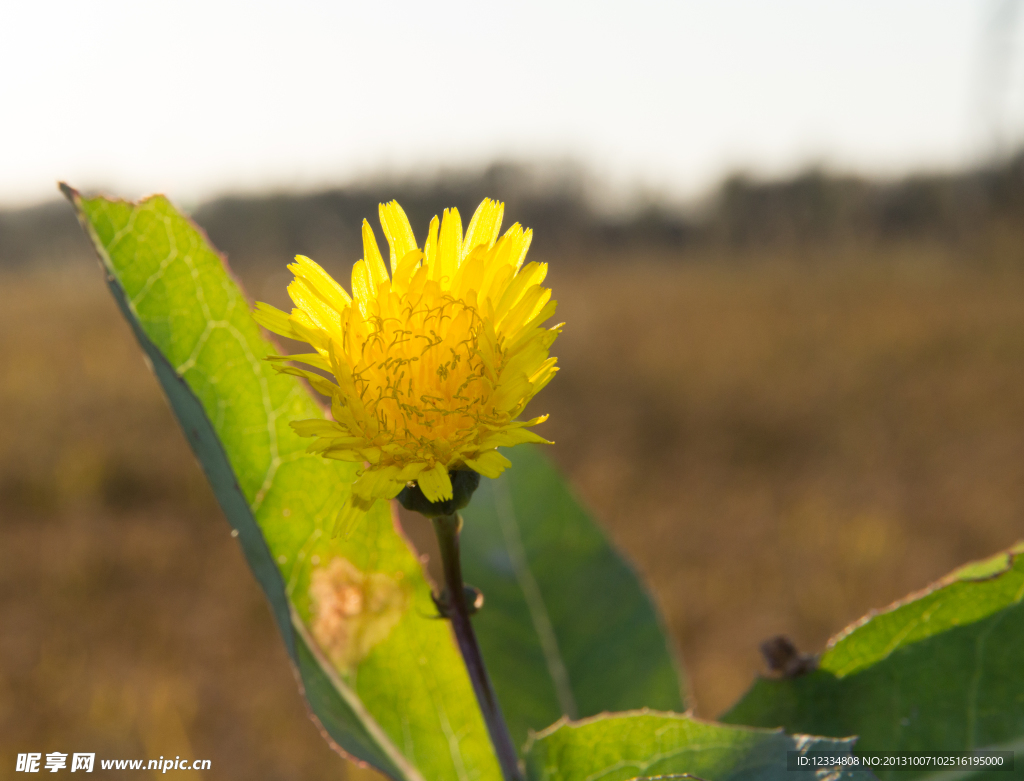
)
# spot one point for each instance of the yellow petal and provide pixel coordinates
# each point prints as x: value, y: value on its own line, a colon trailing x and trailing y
x: 489, y: 464
x: 407, y: 266
x: 344, y: 453
x: 320, y: 384
x: 363, y: 289
x: 273, y: 319
x: 377, y: 483
x: 511, y: 248
x: 449, y: 247
x: 470, y: 275
x: 322, y: 282
x: 352, y: 511
x: 430, y: 248
x: 411, y: 471
x: 531, y: 331
x: 315, y: 360
x: 398, y: 231
x: 525, y: 360
x: 305, y: 330
x: 522, y: 247
x: 511, y: 392
x: 516, y: 436
x: 315, y: 428
x: 374, y: 262
x: 484, y: 227
x: 532, y: 274
x: 530, y: 304
x: 492, y: 288
x: 543, y: 376
x: 435, y: 483
x: 321, y: 314
x: 335, y: 444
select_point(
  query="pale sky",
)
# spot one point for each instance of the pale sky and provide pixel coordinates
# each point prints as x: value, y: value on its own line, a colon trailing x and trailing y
x: 198, y: 99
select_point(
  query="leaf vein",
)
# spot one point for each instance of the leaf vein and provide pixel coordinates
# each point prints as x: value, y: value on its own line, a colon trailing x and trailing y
x: 539, y: 616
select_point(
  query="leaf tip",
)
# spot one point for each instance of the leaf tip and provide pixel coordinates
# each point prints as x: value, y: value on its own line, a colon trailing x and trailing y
x: 69, y: 192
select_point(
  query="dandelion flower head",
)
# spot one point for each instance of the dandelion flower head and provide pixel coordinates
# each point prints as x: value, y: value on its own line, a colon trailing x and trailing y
x: 429, y: 368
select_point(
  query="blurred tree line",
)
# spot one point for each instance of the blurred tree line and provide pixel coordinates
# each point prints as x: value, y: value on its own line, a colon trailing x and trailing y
x: 969, y: 209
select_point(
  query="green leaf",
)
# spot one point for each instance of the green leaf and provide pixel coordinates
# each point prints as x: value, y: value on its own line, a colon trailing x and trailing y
x: 632, y: 746
x: 941, y: 670
x: 396, y: 694
x: 566, y: 626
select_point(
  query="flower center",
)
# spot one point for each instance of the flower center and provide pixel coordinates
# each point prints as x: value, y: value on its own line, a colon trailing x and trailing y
x: 426, y: 372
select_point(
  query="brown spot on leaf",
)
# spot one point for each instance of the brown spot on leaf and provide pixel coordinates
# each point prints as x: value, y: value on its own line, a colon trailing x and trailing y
x: 353, y: 610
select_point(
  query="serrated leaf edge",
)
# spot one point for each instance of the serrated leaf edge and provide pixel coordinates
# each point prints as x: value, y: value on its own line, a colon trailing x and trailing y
x: 956, y: 576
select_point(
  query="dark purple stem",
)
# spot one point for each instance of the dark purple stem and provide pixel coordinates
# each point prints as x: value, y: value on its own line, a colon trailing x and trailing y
x: 447, y: 529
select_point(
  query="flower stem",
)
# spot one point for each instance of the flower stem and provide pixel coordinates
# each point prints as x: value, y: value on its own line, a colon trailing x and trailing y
x: 447, y: 529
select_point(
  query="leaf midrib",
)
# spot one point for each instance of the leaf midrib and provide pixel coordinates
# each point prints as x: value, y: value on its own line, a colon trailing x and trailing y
x: 539, y: 616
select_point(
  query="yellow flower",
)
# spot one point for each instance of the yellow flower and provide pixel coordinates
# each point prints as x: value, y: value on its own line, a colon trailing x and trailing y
x: 432, y: 365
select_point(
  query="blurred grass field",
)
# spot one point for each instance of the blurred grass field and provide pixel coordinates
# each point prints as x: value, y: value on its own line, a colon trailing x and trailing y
x: 778, y: 444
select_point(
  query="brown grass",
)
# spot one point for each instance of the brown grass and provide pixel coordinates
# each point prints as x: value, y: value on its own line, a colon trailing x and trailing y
x: 779, y: 447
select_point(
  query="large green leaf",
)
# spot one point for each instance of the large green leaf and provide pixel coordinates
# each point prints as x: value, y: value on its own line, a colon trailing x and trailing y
x: 941, y: 670
x: 566, y: 626
x: 646, y: 744
x: 400, y: 698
